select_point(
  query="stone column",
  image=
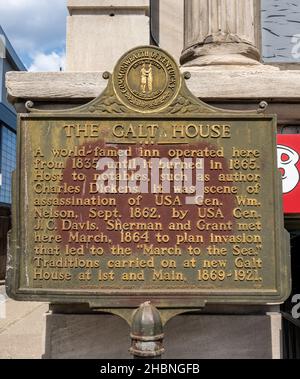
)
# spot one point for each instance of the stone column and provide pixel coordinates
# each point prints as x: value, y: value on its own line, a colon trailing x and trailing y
x: 100, y: 31
x: 221, y: 32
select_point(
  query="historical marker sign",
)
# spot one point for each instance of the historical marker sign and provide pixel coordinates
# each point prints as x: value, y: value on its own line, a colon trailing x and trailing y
x: 146, y: 193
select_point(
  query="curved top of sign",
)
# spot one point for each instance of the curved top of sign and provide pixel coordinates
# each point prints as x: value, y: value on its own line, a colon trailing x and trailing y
x: 145, y: 80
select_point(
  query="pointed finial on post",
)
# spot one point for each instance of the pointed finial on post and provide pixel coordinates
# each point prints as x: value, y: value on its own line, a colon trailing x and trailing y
x: 147, y: 332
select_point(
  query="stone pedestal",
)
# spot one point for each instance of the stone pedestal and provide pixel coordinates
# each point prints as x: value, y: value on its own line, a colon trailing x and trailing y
x: 100, y: 31
x: 186, y: 336
x: 220, y: 32
x: 95, y: 46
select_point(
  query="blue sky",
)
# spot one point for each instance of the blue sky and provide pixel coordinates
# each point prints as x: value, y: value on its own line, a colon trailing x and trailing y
x: 37, y: 31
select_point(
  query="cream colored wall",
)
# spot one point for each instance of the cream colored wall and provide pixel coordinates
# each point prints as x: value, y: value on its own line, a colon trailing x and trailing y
x: 99, y: 32
x: 171, y: 26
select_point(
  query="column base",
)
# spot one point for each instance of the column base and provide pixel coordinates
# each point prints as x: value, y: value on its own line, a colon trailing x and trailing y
x: 220, y: 53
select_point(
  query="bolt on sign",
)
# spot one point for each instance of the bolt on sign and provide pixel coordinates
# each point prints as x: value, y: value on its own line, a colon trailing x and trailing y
x: 147, y: 193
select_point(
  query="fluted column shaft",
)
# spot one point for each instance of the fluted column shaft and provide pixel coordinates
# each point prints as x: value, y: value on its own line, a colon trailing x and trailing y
x: 220, y: 32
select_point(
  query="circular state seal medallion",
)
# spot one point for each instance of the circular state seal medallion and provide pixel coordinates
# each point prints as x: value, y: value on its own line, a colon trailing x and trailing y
x: 146, y: 79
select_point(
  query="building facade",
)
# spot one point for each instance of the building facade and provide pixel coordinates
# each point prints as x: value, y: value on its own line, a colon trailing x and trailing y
x: 9, y: 61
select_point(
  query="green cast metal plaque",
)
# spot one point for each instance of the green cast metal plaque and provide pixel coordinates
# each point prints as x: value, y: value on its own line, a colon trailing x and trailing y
x: 147, y: 193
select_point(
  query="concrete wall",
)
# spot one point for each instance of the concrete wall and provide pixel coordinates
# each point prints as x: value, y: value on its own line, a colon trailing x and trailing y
x: 99, y: 32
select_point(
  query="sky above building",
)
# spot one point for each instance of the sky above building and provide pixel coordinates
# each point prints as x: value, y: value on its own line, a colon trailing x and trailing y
x: 37, y: 31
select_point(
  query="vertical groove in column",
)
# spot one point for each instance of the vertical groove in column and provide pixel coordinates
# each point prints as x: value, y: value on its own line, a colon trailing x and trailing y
x: 224, y: 22
x: 219, y: 23
x: 237, y: 19
x: 208, y: 12
x: 192, y: 27
x: 196, y: 20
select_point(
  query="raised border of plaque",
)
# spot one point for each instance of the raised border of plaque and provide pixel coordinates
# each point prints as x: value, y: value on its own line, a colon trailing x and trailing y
x: 123, y: 100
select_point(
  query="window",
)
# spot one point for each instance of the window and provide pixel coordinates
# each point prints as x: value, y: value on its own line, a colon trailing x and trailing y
x: 280, y: 31
x: 7, y: 162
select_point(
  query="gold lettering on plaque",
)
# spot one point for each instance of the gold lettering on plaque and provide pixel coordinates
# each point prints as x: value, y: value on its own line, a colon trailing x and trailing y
x: 146, y: 189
